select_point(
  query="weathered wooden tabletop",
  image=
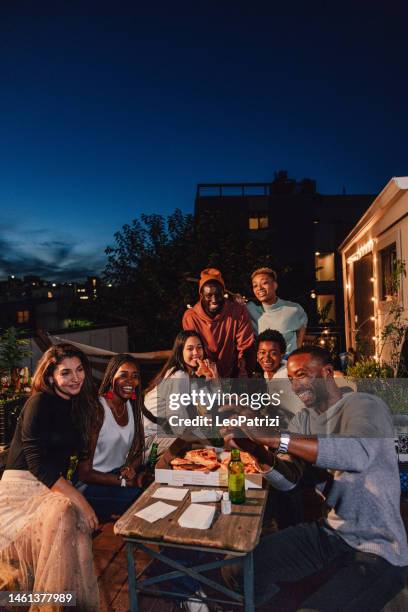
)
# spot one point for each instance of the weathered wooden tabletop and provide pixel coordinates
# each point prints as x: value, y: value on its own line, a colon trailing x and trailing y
x: 238, y: 532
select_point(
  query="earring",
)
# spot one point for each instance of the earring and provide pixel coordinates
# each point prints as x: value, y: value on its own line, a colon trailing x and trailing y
x: 109, y: 394
x: 133, y: 396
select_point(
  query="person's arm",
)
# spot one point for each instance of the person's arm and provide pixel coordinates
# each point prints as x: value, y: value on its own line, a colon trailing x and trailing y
x: 35, y: 429
x: 64, y: 487
x: 282, y: 472
x: 187, y: 321
x: 86, y: 473
x: 245, y: 343
x: 300, y: 336
x: 301, y: 331
x: 35, y: 424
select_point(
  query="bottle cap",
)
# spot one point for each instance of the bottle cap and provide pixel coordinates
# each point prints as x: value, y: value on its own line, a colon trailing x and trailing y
x: 225, y: 496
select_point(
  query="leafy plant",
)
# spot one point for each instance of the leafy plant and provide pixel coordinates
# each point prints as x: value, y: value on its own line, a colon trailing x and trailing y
x: 323, y: 313
x: 13, y: 350
x: 369, y: 368
x: 395, y: 324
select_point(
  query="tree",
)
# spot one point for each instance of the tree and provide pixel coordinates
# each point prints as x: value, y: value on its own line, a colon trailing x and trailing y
x: 13, y: 349
x: 153, y: 258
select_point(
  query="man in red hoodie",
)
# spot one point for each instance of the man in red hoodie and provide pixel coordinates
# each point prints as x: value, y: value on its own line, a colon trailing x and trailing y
x: 224, y: 326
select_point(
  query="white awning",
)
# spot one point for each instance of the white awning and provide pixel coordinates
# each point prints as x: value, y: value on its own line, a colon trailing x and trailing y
x: 94, y: 351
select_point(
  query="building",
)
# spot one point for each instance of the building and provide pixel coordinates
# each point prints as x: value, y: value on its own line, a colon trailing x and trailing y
x: 370, y: 252
x: 304, y: 230
x: 33, y: 303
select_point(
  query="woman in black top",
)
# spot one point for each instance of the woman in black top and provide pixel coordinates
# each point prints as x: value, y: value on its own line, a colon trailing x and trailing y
x: 45, y: 523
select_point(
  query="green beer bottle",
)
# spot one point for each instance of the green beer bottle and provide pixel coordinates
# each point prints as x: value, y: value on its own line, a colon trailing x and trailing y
x: 236, y: 478
x: 151, y: 462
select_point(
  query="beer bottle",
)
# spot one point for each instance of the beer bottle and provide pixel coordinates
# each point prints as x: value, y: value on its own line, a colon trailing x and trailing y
x: 151, y: 462
x: 236, y: 478
x: 147, y: 474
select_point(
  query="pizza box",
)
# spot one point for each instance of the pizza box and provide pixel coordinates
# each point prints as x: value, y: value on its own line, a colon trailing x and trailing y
x: 164, y: 472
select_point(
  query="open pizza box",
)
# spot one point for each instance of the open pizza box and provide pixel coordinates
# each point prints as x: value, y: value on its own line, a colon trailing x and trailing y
x: 164, y: 472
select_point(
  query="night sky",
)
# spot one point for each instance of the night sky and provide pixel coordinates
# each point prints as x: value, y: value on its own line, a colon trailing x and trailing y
x: 108, y: 110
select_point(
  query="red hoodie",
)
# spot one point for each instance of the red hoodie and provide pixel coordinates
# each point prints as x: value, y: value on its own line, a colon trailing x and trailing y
x: 226, y: 336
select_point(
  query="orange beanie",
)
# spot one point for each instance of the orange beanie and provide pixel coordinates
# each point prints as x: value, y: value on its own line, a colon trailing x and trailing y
x: 211, y: 274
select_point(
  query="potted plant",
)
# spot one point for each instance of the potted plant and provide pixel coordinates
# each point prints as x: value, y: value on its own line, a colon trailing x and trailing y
x: 14, y: 380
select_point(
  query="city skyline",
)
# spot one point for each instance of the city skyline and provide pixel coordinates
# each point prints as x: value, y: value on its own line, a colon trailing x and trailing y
x: 106, y: 115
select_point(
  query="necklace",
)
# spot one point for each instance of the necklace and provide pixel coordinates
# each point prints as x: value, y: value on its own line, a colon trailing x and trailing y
x: 117, y: 415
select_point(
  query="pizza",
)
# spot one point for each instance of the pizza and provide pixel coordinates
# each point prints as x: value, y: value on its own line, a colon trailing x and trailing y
x: 203, y: 456
x: 250, y: 465
x: 197, y: 460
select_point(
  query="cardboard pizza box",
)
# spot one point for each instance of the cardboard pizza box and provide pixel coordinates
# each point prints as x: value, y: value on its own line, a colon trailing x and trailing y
x: 164, y: 472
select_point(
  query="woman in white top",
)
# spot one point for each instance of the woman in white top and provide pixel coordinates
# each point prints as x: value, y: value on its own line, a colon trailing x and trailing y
x: 111, y: 473
x: 185, y: 365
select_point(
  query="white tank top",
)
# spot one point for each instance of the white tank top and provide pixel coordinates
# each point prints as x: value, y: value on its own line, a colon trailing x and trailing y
x: 114, y: 441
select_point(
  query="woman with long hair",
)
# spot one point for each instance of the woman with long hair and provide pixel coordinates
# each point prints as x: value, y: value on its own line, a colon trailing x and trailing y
x: 111, y: 473
x: 187, y: 361
x: 45, y: 523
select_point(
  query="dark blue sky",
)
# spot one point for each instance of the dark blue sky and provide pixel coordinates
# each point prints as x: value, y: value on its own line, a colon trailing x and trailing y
x: 111, y: 109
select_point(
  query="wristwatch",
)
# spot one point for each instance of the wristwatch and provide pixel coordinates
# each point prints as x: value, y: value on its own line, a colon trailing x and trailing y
x: 283, y: 442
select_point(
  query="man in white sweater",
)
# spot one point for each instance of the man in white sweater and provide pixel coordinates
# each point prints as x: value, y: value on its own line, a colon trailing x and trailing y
x: 349, y: 440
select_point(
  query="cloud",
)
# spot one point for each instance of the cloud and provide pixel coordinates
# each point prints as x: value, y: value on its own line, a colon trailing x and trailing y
x: 52, y: 260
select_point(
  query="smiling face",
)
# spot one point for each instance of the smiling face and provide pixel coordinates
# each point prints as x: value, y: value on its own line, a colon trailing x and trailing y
x: 269, y: 356
x: 212, y: 298
x: 192, y: 351
x: 68, y: 377
x: 310, y: 379
x: 125, y: 381
x: 264, y: 288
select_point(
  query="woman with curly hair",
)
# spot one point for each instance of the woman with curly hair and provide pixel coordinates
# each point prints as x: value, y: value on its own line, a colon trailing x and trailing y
x: 45, y: 523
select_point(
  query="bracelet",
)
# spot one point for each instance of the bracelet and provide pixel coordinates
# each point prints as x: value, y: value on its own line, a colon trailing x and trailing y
x: 283, y: 443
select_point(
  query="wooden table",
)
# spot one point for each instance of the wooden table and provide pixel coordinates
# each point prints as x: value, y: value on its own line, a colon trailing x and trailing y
x: 235, y: 535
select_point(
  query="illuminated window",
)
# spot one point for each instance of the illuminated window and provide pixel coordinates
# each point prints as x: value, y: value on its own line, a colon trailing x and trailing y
x: 388, y: 258
x: 324, y: 265
x: 23, y: 316
x: 258, y: 220
x: 326, y: 308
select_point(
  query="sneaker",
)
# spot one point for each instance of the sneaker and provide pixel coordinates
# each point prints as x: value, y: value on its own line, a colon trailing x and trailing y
x: 196, y: 606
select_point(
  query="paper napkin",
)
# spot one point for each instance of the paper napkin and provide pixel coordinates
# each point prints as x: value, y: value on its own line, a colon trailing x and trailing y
x: 197, y: 517
x: 155, y: 512
x: 170, y: 493
x: 206, y: 496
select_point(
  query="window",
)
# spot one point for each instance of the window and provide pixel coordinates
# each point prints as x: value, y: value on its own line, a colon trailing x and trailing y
x: 258, y: 220
x: 388, y: 258
x: 23, y: 316
x: 326, y: 309
x: 324, y: 265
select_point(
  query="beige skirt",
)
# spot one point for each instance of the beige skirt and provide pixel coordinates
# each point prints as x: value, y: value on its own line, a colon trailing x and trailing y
x: 45, y: 544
